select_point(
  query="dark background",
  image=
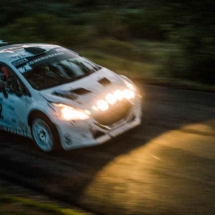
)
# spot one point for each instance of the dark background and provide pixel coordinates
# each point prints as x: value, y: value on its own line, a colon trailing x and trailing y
x: 118, y: 27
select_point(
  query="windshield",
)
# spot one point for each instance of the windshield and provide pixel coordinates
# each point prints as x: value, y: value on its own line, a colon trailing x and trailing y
x: 55, y: 67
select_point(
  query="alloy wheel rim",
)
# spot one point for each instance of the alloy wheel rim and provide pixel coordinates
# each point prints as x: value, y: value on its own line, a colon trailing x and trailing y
x: 42, y: 135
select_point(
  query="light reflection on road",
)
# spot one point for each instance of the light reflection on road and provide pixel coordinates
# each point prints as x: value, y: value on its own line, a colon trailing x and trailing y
x: 173, y: 172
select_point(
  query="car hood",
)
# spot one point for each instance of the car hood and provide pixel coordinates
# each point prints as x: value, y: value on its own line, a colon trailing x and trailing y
x: 85, y: 92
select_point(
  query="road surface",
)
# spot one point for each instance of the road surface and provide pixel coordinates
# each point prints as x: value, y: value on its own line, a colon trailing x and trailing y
x: 165, y: 166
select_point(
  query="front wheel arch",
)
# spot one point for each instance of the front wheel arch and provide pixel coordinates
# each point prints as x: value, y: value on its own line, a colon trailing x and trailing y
x: 35, y: 113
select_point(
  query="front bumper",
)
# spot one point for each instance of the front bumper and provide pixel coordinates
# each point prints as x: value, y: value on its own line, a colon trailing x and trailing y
x: 77, y: 134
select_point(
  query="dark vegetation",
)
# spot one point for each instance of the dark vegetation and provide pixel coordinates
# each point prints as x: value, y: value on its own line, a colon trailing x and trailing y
x: 182, y: 32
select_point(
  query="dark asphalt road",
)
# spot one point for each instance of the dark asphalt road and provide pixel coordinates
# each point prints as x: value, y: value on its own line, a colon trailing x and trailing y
x: 165, y: 166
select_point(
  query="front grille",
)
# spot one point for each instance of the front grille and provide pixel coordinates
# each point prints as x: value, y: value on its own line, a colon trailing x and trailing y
x: 114, y: 114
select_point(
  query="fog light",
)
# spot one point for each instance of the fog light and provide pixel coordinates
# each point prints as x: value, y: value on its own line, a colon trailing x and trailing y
x: 128, y: 94
x: 102, y: 105
x: 118, y: 95
x: 110, y: 99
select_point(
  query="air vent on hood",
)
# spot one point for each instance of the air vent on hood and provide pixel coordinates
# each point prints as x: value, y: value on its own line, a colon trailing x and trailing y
x: 65, y: 94
x: 80, y: 91
x: 35, y: 50
x: 104, y: 82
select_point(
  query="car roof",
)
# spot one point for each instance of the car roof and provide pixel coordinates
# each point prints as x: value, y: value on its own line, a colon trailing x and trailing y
x: 10, y: 53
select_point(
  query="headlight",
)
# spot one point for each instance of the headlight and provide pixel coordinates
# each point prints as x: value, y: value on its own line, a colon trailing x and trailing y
x: 66, y: 112
x: 119, y: 95
x: 128, y: 94
x: 102, y: 105
x: 110, y: 98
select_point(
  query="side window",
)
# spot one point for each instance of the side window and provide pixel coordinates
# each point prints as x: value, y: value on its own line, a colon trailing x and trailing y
x: 11, y: 81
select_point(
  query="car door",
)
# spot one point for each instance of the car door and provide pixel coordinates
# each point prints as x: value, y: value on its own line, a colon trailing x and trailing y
x: 13, y: 104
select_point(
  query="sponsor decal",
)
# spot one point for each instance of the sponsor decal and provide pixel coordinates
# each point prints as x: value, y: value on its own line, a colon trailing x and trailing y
x: 20, y: 62
x: 45, y: 58
x: 12, y: 130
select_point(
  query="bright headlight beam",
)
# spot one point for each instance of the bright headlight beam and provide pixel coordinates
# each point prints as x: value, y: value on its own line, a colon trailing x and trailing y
x: 110, y: 98
x: 128, y: 94
x: 69, y: 113
x: 118, y: 95
x: 72, y: 114
x: 102, y: 105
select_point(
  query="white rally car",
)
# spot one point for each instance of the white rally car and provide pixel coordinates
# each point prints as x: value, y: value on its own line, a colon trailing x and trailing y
x: 60, y: 99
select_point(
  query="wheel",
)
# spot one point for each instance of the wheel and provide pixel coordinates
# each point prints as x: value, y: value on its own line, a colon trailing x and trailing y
x: 44, y: 133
